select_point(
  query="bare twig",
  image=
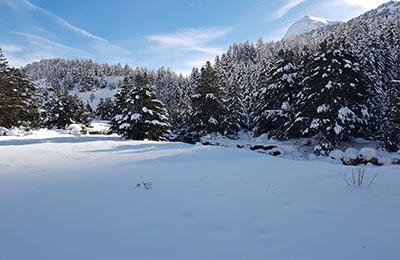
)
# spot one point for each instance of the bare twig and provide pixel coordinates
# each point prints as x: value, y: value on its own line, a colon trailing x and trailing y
x: 373, y: 179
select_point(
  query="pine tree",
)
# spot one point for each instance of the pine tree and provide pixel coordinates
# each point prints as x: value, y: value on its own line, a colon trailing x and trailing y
x: 105, y: 109
x: 235, y: 118
x: 391, y: 120
x: 63, y: 109
x: 208, y: 107
x: 142, y: 116
x: 122, y: 95
x: 19, y: 98
x: 334, y: 96
x: 276, y: 96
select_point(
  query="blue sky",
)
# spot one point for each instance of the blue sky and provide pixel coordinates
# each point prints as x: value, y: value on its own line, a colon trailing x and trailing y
x: 178, y: 34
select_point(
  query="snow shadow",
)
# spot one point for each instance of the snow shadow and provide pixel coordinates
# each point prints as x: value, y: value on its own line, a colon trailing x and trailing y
x: 58, y: 140
x: 143, y: 148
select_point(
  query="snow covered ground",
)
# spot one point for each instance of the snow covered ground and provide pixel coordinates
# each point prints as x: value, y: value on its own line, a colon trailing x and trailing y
x: 77, y: 197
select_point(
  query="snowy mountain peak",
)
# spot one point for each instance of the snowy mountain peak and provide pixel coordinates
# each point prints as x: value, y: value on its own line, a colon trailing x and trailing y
x: 306, y: 24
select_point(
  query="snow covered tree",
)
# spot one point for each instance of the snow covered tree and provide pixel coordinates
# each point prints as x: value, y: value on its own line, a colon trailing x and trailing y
x: 391, y: 120
x: 19, y: 99
x: 276, y: 96
x: 235, y: 118
x: 208, y: 107
x: 122, y: 95
x: 105, y: 109
x: 63, y: 109
x: 334, y: 96
x: 142, y: 116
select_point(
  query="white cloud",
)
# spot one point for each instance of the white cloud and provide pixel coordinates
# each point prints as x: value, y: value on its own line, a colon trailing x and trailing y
x: 286, y: 8
x: 191, y: 39
x: 74, y: 28
x: 62, y: 22
x: 186, y: 49
x: 10, y: 48
x: 46, y: 43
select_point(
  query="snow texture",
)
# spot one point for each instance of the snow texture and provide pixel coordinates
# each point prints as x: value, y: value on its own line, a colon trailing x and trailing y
x: 65, y: 197
x: 306, y: 24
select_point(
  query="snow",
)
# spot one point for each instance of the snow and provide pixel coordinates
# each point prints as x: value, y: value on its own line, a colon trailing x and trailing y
x: 350, y: 154
x: 125, y: 126
x: 75, y: 129
x: 146, y: 110
x: 136, y: 116
x: 65, y: 197
x: 213, y: 121
x: 367, y: 153
x: 323, y: 108
x: 345, y: 113
x: 336, y: 154
x: 156, y: 122
x: 98, y: 94
x: 306, y: 24
x: 338, y: 129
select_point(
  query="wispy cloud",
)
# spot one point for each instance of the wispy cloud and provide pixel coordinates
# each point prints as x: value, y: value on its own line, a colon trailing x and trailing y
x: 287, y: 7
x: 63, y: 22
x: 56, y: 39
x: 191, y: 39
x: 11, y: 48
x: 46, y: 43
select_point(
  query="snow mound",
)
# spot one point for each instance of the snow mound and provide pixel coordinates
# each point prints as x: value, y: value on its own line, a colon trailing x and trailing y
x: 336, y: 154
x: 76, y: 129
x: 367, y: 154
x: 350, y: 153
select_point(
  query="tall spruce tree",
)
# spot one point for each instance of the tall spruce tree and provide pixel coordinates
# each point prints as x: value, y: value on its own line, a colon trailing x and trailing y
x: 19, y: 98
x: 276, y: 96
x: 391, y: 120
x: 208, y: 107
x: 334, y: 96
x: 142, y: 115
x: 105, y: 109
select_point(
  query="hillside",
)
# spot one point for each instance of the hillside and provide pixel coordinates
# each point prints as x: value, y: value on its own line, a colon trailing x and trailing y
x: 307, y: 24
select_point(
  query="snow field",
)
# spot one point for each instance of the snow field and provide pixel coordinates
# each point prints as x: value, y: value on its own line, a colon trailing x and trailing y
x: 69, y: 197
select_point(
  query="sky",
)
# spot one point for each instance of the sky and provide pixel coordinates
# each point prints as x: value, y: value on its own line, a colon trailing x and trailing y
x: 179, y: 34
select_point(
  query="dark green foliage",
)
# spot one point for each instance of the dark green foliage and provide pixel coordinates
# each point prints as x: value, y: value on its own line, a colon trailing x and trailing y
x: 63, y: 109
x: 19, y: 100
x: 391, y: 120
x: 332, y: 103
x: 105, y: 109
x: 141, y: 115
x: 277, y: 88
x: 207, y: 104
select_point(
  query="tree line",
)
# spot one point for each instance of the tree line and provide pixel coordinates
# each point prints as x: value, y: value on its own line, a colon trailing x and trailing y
x: 335, y: 85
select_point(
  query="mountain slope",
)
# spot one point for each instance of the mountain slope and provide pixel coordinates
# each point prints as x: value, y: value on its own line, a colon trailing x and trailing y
x: 307, y: 24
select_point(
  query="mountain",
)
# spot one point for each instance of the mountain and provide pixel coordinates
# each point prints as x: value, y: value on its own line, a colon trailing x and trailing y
x: 307, y: 24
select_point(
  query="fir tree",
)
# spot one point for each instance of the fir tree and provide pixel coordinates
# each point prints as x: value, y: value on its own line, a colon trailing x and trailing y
x: 142, y: 116
x: 105, y: 109
x: 276, y: 96
x: 208, y: 107
x: 235, y: 118
x: 391, y: 120
x: 63, y: 109
x: 19, y: 98
x: 334, y: 96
